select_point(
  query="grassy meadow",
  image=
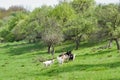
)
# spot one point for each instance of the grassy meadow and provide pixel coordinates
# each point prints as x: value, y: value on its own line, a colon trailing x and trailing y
x: 21, y: 61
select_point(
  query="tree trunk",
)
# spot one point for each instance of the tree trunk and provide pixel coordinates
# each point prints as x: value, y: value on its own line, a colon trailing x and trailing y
x: 77, y: 44
x: 53, y: 50
x: 110, y: 43
x: 49, y: 46
x: 117, y: 43
x: 77, y: 41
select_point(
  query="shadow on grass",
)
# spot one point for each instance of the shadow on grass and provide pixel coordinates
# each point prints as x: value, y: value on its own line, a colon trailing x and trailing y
x: 114, y: 79
x: 71, y: 46
x: 65, y: 48
x: 24, y: 48
x: 87, y: 44
x: 10, y: 45
x: 102, y: 52
x: 81, y: 67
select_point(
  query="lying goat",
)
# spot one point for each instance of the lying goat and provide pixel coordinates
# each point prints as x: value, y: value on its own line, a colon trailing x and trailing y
x: 48, y: 63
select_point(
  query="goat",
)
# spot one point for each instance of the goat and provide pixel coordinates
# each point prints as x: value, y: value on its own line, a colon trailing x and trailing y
x: 48, y: 63
x: 62, y: 58
x: 65, y: 56
x: 71, y: 56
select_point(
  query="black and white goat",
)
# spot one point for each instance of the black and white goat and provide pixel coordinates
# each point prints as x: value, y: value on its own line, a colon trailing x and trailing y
x: 65, y: 56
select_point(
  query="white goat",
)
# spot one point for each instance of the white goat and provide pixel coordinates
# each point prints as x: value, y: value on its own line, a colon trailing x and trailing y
x: 60, y: 60
x: 48, y: 63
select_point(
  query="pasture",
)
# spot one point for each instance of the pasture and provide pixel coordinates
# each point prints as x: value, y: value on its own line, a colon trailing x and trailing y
x: 21, y: 61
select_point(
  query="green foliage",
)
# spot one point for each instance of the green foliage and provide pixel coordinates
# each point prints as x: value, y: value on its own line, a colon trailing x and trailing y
x: 77, y: 21
x: 9, y: 24
x: 63, y: 13
x: 108, y: 19
x: 52, y: 33
x: 19, y: 31
x: 83, y: 24
x: 10, y: 37
x: 33, y: 25
x: 81, y: 6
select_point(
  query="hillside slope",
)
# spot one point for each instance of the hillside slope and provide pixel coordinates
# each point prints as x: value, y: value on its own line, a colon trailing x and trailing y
x: 21, y: 61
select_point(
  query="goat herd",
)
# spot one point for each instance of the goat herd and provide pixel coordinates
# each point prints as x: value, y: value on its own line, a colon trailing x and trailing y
x: 67, y: 56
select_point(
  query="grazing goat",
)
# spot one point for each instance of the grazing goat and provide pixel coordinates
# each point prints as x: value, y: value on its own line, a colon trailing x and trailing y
x: 62, y: 58
x: 48, y: 63
x: 71, y: 56
x: 65, y: 56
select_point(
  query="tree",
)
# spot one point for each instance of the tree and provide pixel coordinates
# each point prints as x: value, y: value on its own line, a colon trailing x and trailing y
x: 19, y: 30
x: 5, y: 13
x: 109, y: 22
x: 52, y: 34
x: 80, y: 28
x: 9, y: 23
x: 35, y: 23
x: 63, y: 13
x: 16, y: 8
x: 83, y: 6
x: 31, y: 26
x: 84, y: 22
x: 2, y: 13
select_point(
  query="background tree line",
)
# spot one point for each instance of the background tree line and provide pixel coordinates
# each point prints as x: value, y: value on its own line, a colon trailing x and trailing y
x: 77, y: 20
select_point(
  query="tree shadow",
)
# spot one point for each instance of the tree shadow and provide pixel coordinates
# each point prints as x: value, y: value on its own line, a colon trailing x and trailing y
x: 24, y: 48
x: 88, y: 44
x: 102, y: 52
x: 9, y: 45
x: 71, y: 46
x: 114, y: 79
x: 81, y: 67
x: 65, y: 48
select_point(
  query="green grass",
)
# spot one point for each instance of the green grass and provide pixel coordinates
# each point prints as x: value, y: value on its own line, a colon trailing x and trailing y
x: 20, y: 61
